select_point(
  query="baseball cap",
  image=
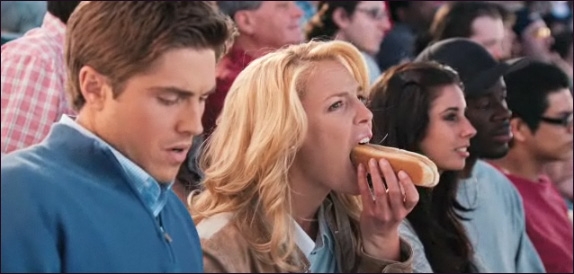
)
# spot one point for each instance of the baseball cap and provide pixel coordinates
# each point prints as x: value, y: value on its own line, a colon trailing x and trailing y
x: 476, y: 67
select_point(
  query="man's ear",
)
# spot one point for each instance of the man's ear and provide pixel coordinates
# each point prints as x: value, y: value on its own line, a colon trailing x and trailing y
x: 341, y: 18
x: 93, y: 86
x: 520, y: 130
x: 244, y: 22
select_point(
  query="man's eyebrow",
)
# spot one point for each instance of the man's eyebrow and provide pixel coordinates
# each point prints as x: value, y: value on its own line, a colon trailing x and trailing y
x: 209, y: 92
x: 176, y: 90
x: 181, y: 92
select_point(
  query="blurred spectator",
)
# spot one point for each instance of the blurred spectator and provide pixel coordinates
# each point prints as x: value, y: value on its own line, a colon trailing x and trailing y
x: 534, y: 35
x: 561, y: 55
x: 309, y: 9
x: 559, y: 17
x: 511, y: 6
x: 539, y: 7
x: 510, y: 40
x: 263, y: 26
x: 560, y: 172
x: 33, y: 77
x: 410, y: 19
x: 362, y: 23
x: 541, y: 103
x: 563, y: 46
x: 504, y: 247
x: 18, y: 17
x: 478, y: 21
x: 536, y: 38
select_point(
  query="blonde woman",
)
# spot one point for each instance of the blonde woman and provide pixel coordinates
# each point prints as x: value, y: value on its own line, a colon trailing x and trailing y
x: 280, y: 192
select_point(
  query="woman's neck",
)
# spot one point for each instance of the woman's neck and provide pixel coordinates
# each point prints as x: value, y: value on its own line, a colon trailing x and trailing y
x: 468, y: 167
x: 306, y: 199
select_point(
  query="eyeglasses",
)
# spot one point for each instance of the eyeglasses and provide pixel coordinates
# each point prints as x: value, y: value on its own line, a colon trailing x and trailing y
x: 375, y: 14
x: 542, y: 33
x: 565, y: 121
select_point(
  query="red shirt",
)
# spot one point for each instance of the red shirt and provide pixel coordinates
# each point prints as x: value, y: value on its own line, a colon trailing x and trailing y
x: 547, y: 222
x: 227, y: 70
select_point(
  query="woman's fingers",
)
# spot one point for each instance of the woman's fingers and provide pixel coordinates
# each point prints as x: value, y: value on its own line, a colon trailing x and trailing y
x: 411, y: 195
x: 378, y: 185
x: 392, y: 201
x: 366, y: 194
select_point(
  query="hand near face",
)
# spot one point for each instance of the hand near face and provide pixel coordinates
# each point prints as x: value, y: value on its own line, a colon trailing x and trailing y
x: 384, y: 209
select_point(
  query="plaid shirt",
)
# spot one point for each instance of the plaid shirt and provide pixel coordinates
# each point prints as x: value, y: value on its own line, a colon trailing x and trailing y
x: 33, y: 77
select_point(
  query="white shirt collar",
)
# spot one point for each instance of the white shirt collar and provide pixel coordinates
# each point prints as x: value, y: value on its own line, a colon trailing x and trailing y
x: 303, y: 241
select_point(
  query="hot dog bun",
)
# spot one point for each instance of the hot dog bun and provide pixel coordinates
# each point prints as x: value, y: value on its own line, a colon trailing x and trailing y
x: 422, y: 170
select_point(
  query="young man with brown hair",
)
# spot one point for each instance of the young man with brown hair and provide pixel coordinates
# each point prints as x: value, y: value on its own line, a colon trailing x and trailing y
x: 138, y: 76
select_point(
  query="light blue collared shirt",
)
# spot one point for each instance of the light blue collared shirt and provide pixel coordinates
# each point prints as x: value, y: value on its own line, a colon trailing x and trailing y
x: 320, y: 253
x: 153, y: 193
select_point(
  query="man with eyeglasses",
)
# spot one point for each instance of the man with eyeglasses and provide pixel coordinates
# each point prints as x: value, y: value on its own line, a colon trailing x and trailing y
x: 541, y: 102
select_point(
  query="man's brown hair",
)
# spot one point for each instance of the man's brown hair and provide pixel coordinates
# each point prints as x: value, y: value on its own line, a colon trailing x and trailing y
x: 122, y: 39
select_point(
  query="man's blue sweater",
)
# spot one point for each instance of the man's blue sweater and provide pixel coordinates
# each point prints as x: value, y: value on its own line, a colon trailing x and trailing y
x: 67, y: 206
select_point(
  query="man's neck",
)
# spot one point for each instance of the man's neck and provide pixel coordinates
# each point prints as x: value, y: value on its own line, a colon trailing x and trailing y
x: 519, y: 163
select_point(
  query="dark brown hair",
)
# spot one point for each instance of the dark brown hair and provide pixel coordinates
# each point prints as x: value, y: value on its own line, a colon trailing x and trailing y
x: 322, y: 26
x: 455, y: 19
x: 62, y: 9
x: 400, y: 101
x: 122, y: 39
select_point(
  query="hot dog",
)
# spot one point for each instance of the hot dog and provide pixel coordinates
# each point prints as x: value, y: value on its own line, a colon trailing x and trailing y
x: 422, y: 171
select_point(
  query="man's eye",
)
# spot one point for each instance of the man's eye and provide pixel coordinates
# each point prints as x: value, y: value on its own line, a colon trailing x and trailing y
x: 483, y: 104
x: 203, y: 98
x: 363, y: 99
x: 168, y: 102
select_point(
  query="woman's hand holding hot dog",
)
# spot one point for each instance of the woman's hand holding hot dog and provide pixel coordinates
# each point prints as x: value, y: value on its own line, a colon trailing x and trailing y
x: 385, y: 208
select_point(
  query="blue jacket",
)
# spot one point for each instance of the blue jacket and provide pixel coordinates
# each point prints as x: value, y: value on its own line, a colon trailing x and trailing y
x: 67, y: 206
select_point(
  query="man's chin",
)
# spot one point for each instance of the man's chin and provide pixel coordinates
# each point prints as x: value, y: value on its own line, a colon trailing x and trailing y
x: 494, y: 154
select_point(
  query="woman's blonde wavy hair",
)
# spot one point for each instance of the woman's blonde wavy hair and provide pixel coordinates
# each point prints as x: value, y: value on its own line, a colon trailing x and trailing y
x: 262, y: 125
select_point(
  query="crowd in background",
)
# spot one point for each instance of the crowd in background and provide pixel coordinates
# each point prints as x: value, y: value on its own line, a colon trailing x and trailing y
x: 504, y: 206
